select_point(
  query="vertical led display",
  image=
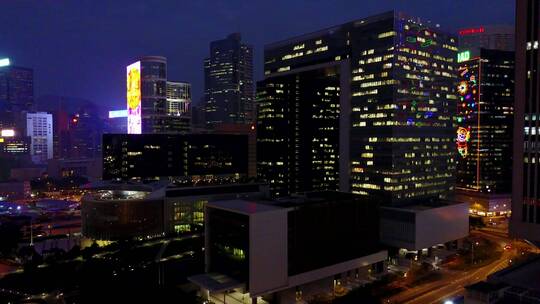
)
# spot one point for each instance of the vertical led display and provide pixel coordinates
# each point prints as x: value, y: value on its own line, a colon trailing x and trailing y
x: 467, y: 107
x: 134, y: 98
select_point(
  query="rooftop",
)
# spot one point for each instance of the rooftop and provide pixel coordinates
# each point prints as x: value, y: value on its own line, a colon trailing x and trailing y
x: 245, y: 207
x: 523, y: 275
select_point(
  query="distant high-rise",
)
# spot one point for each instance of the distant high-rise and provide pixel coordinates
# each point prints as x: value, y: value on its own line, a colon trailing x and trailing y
x: 396, y: 136
x: 525, y: 221
x: 151, y: 99
x: 39, y: 127
x: 16, y: 95
x: 147, y: 95
x: 228, y: 82
x: 484, y: 121
x: 495, y: 37
x: 179, y: 103
x: 85, y: 130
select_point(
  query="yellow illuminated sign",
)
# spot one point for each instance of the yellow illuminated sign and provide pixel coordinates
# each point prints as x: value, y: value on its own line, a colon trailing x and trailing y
x: 134, y: 98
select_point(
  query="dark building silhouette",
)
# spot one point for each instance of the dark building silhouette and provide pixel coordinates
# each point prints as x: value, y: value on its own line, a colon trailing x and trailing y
x: 193, y: 157
x: 525, y: 222
x: 228, y: 81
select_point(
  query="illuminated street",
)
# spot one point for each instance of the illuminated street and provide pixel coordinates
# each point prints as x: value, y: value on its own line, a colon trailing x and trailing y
x: 453, y: 282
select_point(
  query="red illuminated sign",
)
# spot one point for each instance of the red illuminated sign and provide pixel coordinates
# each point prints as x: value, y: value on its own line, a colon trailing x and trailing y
x: 471, y: 31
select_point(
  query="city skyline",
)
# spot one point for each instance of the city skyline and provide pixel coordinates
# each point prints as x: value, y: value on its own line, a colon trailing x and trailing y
x: 91, y: 65
x: 306, y: 152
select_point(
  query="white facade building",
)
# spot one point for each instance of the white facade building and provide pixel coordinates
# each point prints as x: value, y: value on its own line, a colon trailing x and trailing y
x: 39, y: 127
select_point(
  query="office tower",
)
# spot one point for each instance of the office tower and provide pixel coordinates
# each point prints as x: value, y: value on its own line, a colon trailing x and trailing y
x: 204, y: 158
x: 179, y: 104
x: 525, y: 222
x: 496, y: 37
x: 16, y: 95
x: 228, y: 81
x: 397, y: 76
x: 298, y: 130
x: 39, y: 127
x: 147, y: 95
x: 484, y: 121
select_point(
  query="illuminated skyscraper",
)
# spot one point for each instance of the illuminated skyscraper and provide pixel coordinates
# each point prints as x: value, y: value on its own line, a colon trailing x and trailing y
x: 396, y: 135
x: 39, y: 127
x: 525, y: 221
x: 228, y: 82
x: 16, y: 95
x: 484, y: 121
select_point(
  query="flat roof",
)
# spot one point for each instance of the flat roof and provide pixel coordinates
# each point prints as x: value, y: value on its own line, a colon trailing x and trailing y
x: 484, y: 286
x: 524, y: 275
x: 246, y: 207
x: 419, y: 206
x: 181, y: 190
x: 331, y: 29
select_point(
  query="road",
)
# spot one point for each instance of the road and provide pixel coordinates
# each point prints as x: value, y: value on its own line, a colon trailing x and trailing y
x: 453, y: 283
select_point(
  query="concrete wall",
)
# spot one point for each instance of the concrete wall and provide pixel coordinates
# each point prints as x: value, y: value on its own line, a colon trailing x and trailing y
x: 399, y: 234
x: 441, y: 225
x: 267, y: 251
x: 431, y: 226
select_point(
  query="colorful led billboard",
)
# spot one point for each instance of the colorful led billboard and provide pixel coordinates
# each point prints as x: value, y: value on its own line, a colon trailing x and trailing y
x: 134, y: 98
x: 467, y: 107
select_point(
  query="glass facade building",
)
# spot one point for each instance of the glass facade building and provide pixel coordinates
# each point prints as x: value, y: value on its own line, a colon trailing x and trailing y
x: 228, y: 82
x: 399, y: 137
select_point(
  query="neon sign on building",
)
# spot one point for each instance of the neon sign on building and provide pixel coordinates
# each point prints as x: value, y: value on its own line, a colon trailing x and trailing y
x: 471, y: 31
x: 134, y: 98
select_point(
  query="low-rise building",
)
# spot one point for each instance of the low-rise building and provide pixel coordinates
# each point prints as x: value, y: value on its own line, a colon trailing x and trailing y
x: 424, y: 224
x: 113, y: 210
x: 289, y: 250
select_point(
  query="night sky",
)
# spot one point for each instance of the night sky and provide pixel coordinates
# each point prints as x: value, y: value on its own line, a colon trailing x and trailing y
x: 80, y: 48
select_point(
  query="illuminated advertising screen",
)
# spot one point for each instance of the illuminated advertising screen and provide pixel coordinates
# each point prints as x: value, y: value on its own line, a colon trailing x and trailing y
x: 134, y: 98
